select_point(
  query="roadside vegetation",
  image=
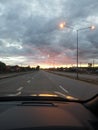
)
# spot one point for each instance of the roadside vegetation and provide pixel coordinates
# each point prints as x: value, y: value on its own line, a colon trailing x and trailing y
x: 16, y: 68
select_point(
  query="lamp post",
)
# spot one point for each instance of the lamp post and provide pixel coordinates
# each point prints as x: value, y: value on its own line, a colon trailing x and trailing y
x: 77, y: 55
x: 63, y: 25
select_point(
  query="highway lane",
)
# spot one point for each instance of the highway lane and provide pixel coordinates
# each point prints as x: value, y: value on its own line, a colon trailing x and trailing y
x: 42, y: 81
x: 26, y: 84
x: 74, y: 87
x: 81, y: 75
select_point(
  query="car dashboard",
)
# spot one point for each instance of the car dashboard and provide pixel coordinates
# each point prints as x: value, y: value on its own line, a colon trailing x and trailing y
x: 46, y: 115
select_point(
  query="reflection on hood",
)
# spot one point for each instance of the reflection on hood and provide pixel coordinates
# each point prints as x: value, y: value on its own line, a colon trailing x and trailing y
x: 40, y: 94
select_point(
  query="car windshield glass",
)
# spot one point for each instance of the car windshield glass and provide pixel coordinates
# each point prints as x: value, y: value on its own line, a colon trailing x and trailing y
x: 49, y: 48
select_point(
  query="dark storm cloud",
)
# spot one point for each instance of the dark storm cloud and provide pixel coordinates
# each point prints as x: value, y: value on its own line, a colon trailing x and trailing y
x: 30, y: 28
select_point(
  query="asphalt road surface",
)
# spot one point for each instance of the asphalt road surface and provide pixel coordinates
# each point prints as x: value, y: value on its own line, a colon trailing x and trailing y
x: 41, y: 81
x: 85, y: 76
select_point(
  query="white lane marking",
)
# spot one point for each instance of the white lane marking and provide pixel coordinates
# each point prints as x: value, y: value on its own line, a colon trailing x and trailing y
x: 28, y: 81
x: 60, y: 93
x: 65, y: 90
x: 16, y: 94
x: 19, y: 89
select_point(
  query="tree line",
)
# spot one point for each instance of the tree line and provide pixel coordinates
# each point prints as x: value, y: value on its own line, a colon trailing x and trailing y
x: 16, y: 68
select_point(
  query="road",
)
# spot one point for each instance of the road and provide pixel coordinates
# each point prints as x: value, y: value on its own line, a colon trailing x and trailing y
x: 81, y: 75
x: 41, y: 81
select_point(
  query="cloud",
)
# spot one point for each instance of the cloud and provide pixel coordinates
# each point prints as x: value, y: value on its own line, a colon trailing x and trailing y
x: 29, y: 29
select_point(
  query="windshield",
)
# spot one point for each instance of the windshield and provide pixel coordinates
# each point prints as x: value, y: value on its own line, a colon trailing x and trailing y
x: 49, y: 48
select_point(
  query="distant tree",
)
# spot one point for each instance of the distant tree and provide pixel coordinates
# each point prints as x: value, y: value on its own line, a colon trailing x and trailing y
x: 2, y: 66
x: 89, y: 64
x: 37, y: 67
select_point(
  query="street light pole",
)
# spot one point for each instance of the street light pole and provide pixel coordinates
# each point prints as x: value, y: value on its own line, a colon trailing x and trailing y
x: 62, y: 25
x: 77, y: 55
x: 91, y: 27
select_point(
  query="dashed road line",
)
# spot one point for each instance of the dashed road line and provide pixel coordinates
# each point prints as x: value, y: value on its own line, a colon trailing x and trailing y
x: 65, y: 90
x: 60, y: 93
x: 19, y: 89
x: 28, y: 81
x: 16, y: 94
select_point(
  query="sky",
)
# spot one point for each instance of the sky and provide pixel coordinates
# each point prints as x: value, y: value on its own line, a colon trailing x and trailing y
x: 30, y: 33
